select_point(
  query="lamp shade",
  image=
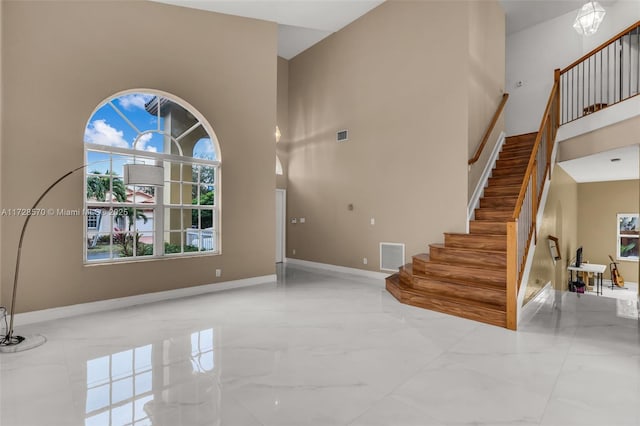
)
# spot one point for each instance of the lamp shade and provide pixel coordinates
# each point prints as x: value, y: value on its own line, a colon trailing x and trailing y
x: 143, y: 175
x: 589, y: 18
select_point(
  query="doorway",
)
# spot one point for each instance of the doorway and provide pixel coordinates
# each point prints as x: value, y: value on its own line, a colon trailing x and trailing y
x: 281, y: 211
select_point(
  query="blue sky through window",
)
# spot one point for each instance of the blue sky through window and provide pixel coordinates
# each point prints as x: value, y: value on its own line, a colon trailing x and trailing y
x: 107, y: 127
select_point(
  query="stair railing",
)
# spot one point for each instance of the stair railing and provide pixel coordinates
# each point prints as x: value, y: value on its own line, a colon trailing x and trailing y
x: 521, y: 227
x: 487, y: 134
x: 607, y: 75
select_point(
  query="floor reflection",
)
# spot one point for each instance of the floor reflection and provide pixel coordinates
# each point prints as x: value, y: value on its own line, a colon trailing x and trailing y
x: 165, y: 383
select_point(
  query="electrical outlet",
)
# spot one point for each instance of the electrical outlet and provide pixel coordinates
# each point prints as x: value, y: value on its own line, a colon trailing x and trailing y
x: 294, y: 220
x: 373, y: 221
x: 302, y: 220
x: 294, y: 251
x: 365, y: 261
x: 218, y: 273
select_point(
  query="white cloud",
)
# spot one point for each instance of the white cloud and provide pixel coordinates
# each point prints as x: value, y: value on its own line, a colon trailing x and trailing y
x: 204, y: 149
x: 135, y: 100
x: 99, y: 132
x: 142, y: 142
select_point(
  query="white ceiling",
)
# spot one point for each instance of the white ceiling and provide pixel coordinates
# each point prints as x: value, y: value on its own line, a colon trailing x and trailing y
x: 302, y: 23
x: 599, y: 167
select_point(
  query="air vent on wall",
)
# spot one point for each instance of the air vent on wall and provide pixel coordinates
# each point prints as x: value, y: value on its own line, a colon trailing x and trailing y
x: 342, y: 135
x: 391, y: 256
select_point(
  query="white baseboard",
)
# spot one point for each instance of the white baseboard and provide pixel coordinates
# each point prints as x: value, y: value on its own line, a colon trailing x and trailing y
x: 123, y: 302
x: 484, y: 178
x: 336, y: 268
x: 544, y: 296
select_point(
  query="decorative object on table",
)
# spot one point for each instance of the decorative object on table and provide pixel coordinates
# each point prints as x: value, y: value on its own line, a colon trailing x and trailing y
x: 136, y: 174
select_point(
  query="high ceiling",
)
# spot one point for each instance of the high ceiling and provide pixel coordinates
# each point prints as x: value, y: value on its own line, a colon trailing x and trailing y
x: 303, y: 23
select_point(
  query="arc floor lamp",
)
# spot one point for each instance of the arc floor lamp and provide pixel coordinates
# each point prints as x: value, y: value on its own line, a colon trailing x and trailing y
x: 134, y: 174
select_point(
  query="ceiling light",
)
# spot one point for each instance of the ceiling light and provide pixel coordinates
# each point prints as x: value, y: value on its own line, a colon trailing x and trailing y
x: 589, y: 18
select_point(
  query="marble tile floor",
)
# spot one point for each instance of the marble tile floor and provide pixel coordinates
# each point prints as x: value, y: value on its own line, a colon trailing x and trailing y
x: 321, y: 348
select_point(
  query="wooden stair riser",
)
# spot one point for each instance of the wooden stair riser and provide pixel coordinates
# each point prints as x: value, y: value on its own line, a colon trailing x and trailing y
x: 476, y: 241
x: 450, y: 307
x: 488, y: 296
x: 515, y: 153
x: 511, y: 180
x: 509, y: 171
x: 498, y: 202
x: 526, y: 138
x: 418, y: 263
x: 454, y: 255
x: 517, y: 145
x: 494, y: 214
x: 392, y: 285
x: 513, y: 163
x: 487, y: 227
x: 464, y: 273
x: 500, y: 190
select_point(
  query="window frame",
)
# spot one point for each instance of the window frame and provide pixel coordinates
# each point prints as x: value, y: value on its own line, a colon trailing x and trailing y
x: 159, y: 207
x: 632, y: 235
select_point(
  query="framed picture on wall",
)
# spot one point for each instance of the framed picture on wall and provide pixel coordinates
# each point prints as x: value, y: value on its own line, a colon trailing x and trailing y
x: 628, y: 236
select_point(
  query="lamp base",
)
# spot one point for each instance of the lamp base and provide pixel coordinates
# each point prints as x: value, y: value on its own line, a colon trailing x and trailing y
x: 23, y: 343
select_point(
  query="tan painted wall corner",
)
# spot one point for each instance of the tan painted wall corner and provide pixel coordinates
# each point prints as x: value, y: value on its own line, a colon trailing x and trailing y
x: 598, y: 206
x: 404, y: 99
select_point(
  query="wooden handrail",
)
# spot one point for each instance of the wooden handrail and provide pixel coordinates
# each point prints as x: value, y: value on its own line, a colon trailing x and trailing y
x: 601, y: 47
x: 487, y: 134
x: 534, y: 151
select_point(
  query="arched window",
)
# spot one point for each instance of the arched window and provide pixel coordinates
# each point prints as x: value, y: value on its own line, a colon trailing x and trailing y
x: 132, y: 222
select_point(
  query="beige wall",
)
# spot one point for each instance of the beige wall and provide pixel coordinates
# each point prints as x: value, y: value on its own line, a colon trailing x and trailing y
x: 283, y: 119
x: 61, y: 59
x: 624, y: 133
x: 559, y: 220
x: 598, y: 206
x: 486, y: 79
x: 399, y: 86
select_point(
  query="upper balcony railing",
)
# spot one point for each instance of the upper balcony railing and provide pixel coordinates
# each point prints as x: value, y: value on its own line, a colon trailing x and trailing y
x: 607, y: 75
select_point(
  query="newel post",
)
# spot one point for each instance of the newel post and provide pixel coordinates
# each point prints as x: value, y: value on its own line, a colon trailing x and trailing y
x: 512, y: 276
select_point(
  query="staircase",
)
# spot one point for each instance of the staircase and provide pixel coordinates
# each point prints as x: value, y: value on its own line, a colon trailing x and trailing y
x: 466, y: 276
